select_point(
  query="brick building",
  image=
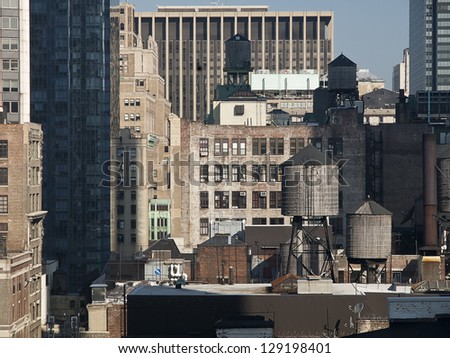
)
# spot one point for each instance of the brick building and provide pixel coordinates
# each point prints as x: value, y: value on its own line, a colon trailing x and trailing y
x: 233, y: 172
x: 21, y: 230
x: 222, y: 259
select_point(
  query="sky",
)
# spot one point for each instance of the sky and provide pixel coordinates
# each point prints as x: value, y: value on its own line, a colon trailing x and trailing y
x: 371, y: 33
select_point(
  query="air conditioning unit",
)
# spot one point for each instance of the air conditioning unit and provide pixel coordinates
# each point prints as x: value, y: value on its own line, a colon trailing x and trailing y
x: 263, y: 194
x: 242, y: 193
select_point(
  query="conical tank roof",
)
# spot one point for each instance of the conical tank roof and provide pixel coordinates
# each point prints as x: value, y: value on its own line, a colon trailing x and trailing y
x: 309, y: 155
x: 370, y: 207
x: 342, y: 61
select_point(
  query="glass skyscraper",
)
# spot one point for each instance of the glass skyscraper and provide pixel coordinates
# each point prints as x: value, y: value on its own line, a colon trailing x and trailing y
x: 429, y: 45
x: 70, y: 97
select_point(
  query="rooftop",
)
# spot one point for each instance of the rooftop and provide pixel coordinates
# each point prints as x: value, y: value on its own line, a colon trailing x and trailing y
x: 213, y: 8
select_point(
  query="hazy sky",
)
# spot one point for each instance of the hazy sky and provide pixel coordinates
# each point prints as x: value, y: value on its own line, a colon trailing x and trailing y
x: 371, y: 33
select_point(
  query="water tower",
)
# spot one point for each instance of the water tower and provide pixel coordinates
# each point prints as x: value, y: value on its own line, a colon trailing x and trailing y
x: 369, y: 241
x: 238, y: 60
x: 310, y: 193
x: 342, y: 82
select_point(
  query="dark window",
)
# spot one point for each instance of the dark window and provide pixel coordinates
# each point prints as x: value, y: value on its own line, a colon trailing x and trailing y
x: 133, y: 238
x: 133, y: 224
x: 72, y: 303
x: 275, y: 173
x: 204, y: 199
x: 239, y: 199
x: 204, y: 226
x: 120, y: 195
x: 276, y: 146
x: 221, y: 199
x: 276, y: 221
x: 296, y: 144
x: 133, y: 209
x: 120, y: 209
x: 259, y: 173
x: 204, y: 173
x: 3, y: 176
x: 275, y: 200
x: 239, y: 110
x: 238, y: 173
x: 259, y: 146
x: 259, y: 221
x: 133, y: 195
x: 259, y: 200
x: 3, y: 149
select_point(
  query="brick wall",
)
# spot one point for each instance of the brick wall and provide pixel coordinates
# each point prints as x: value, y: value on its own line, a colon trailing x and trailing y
x: 211, y: 259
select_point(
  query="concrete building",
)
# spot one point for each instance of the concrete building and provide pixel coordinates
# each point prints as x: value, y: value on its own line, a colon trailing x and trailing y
x: 233, y: 172
x: 142, y: 149
x: 289, y: 92
x: 191, y: 46
x: 368, y: 82
x: 21, y: 230
x: 15, y: 55
x: 400, y: 74
x: 428, y: 45
x: 380, y: 106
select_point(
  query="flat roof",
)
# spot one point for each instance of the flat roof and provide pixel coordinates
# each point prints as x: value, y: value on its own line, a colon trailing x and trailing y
x: 348, y: 289
x: 213, y: 8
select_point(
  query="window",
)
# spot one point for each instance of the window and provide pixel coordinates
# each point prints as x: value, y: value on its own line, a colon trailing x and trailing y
x: 133, y: 209
x: 11, y: 65
x: 122, y: 26
x: 120, y: 195
x: 238, y: 173
x: 10, y: 4
x: 3, y: 149
x: 3, y: 204
x: 239, y: 200
x: 296, y: 144
x: 259, y: 173
x: 132, y: 102
x: 133, y: 224
x: 238, y: 146
x: 120, y: 238
x: 10, y: 23
x: 276, y: 146
x: 220, y: 146
x: 131, y: 117
x: 275, y: 173
x: 120, y: 224
x: 335, y: 145
x: 10, y: 86
x: 133, y: 237
x: 259, y: 200
x: 11, y: 107
x: 126, y: 102
x: 221, y: 200
x: 275, y: 200
x: 3, y: 238
x: 316, y: 142
x: 120, y: 209
x: 138, y: 102
x: 132, y: 152
x: 239, y: 110
x: 259, y: 146
x: 203, y: 147
x: 276, y: 221
x: 10, y: 44
x: 138, y: 117
x: 204, y: 199
x: 204, y: 173
x: 133, y: 195
x: 221, y: 173
x: 204, y: 226
x: 259, y: 221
